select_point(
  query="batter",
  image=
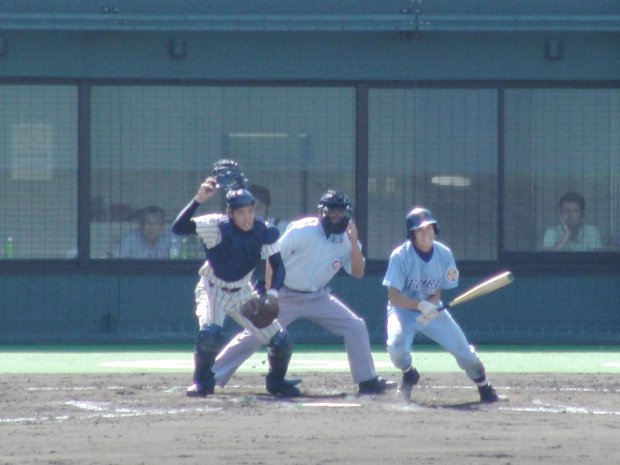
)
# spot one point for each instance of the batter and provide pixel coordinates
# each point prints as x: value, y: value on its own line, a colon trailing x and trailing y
x: 417, y: 272
x: 313, y: 250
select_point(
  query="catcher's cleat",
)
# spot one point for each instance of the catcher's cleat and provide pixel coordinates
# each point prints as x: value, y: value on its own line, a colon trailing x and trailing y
x: 283, y: 387
x: 487, y: 394
x: 410, y: 379
x: 377, y: 385
x: 199, y: 391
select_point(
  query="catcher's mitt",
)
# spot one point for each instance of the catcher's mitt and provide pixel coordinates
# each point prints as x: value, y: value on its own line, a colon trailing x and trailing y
x: 261, y: 310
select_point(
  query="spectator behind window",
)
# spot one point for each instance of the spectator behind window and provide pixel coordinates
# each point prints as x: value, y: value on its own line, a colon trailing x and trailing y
x: 263, y: 202
x: 151, y: 240
x: 572, y: 235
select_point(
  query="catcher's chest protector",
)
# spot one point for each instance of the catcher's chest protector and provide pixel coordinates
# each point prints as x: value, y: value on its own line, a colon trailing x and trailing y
x: 238, y: 252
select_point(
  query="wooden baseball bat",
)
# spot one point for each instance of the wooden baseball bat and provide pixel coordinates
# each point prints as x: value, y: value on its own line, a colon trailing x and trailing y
x: 487, y: 286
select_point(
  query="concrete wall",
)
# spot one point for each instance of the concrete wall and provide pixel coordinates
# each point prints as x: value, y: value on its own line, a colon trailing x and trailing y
x: 154, y: 308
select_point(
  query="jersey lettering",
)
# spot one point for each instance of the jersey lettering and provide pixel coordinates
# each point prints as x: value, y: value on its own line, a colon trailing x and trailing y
x: 429, y: 285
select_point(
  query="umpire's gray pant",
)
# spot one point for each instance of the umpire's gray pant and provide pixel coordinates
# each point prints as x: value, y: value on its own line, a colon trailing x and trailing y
x: 323, y: 309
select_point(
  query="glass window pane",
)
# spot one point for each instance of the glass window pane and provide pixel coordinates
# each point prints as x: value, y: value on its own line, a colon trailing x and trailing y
x: 152, y: 146
x: 562, y: 141
x: 437, y: 148
x: 38, y: 171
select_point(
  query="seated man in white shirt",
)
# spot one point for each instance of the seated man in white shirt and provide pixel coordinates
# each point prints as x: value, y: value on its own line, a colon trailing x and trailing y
x: 150, y: 240
x: 572, y: 235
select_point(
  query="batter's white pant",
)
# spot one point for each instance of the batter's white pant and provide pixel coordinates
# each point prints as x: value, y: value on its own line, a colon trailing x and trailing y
x: 323, y: 309
x: 402, y: 329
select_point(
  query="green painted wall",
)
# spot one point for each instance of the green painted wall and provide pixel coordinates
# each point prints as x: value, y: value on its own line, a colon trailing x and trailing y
x: 304, y: 56
x: 135, y: 308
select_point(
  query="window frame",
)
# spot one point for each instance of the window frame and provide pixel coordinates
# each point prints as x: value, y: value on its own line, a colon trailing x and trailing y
x: 530, y: 262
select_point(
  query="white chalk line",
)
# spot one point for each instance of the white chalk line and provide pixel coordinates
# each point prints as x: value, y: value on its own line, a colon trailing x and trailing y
x: 611, y: 364
x: 188, y: 364
x: 541, y: 407
x: 94, y: 410
x: 296, y: 363
x: 72, y: 388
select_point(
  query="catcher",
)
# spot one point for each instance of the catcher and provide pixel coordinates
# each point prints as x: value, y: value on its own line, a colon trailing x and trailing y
x: 234, y: 242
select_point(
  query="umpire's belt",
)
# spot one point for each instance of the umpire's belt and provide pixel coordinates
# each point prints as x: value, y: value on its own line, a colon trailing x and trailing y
x: 230, y: 290
x: 301, y: 292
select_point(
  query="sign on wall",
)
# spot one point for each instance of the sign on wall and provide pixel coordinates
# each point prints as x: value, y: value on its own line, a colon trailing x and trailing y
x: 32, y: 151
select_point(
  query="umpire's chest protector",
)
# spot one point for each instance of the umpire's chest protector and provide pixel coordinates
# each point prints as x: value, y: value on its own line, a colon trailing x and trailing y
x: 238, y: 252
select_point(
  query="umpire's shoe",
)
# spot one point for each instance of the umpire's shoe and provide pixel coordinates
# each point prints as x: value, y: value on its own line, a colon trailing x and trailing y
x: 377, y: 385
x: 410, y: 379
x: 197, y: 390
x: 487, y: 394
x: 283, y: 387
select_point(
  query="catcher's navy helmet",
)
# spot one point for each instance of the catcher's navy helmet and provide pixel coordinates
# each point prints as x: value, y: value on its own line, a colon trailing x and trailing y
x: 418, y: 218
x: 238, y: 198
x: 228, y: 175
x: 334, y: 199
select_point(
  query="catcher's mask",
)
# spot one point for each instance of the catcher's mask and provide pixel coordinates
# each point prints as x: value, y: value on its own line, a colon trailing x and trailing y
x: 332, y: 200
x: 238, y: 198
x: 228, y: 175
x: 418, y: 218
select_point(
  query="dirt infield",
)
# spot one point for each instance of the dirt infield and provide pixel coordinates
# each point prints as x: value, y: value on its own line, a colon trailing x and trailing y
x: 146, y: 419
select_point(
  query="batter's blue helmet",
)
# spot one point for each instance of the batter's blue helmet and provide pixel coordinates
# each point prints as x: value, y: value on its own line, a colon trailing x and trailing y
x: 418, y: 218
x: 239, y: 198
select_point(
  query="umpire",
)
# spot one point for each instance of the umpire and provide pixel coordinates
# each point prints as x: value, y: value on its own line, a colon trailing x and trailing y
x: 313, y: 250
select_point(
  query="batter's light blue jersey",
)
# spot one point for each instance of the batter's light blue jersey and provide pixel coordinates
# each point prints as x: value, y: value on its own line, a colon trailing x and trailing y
x: 414, y: 277
x: 310, y: 258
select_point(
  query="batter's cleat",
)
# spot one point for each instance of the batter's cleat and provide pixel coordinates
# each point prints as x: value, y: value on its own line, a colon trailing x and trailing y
x: 487, y: 394
x: 410, y: 379
x: 199, y: 391
x: 377, y: 385
x: 283, y: 387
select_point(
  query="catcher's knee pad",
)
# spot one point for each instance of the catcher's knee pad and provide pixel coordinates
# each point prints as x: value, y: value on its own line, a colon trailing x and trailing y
x: 281, y: 345
x: 209, y: 339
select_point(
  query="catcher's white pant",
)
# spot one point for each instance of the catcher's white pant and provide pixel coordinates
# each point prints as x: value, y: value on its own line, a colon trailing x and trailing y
x: 215, y: 299
x: 320, y: 307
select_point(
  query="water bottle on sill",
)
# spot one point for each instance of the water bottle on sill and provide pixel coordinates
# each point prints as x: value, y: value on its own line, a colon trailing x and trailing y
x: 9, y: 248
x: 184, y: 248
x: 175, y: 248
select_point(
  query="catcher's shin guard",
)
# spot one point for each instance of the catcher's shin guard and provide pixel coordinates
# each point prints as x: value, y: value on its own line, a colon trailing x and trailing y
x: 208, y: 344
x: 280, y: 350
